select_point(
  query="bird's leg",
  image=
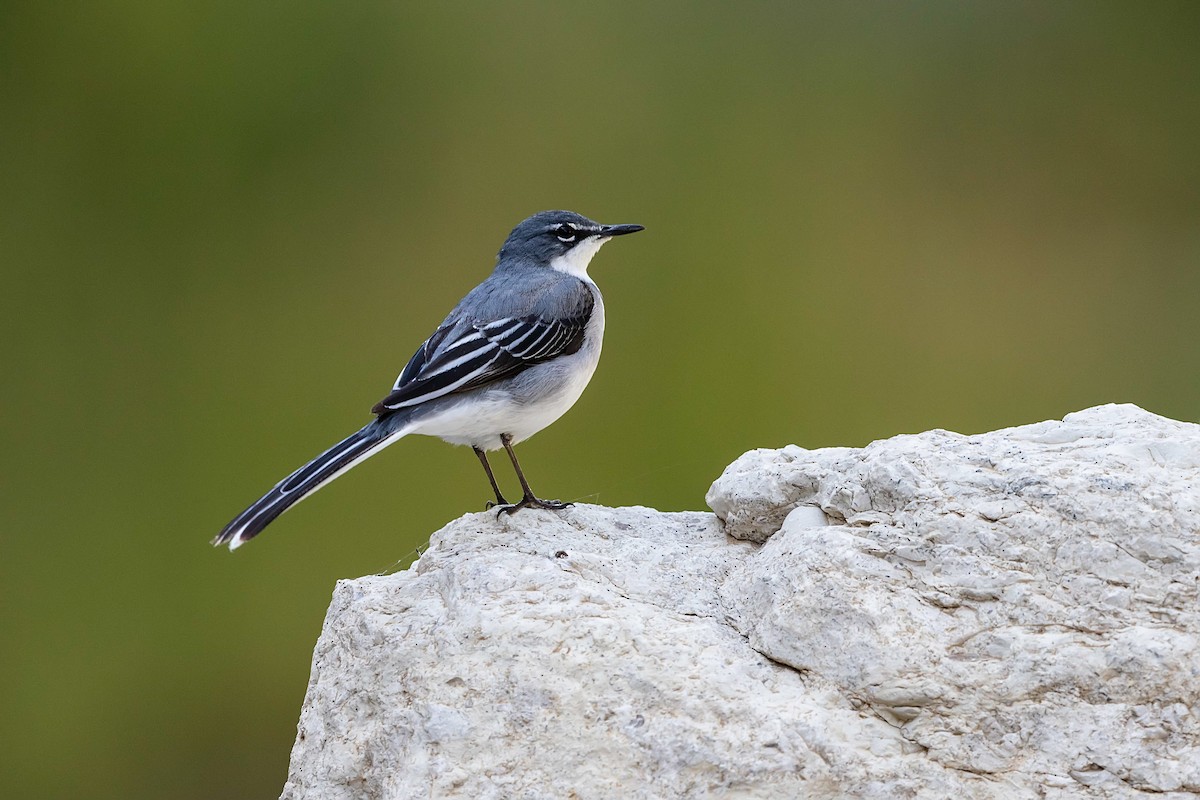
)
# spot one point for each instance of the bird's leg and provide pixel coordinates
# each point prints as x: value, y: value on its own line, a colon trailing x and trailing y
x: 529, y: 500
x: 500, y: 501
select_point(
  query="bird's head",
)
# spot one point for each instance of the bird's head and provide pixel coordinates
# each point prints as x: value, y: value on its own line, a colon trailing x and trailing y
x: 561, y: 240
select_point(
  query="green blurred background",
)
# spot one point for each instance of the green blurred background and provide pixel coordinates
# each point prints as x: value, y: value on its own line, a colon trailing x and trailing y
x: 225, y: 226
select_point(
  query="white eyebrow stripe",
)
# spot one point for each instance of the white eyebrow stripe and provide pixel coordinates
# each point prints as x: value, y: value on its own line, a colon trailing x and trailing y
x: 575, y: 226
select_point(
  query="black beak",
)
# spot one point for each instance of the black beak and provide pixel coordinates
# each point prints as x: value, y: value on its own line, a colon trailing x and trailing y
x: 620, y: 230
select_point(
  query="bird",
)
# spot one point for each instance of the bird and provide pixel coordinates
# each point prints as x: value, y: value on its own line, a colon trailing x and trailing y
x: 511, y: 358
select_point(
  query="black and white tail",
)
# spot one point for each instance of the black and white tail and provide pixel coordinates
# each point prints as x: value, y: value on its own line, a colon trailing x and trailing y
x: 347, y: 453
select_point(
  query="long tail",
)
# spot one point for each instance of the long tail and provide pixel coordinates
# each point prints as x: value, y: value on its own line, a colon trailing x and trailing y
x: 349, y: 452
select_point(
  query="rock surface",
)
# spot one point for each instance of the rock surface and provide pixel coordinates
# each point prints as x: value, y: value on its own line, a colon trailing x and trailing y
x: 1006, y: 615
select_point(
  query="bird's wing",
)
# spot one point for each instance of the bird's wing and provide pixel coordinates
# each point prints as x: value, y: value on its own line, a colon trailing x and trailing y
x: 464, y: 354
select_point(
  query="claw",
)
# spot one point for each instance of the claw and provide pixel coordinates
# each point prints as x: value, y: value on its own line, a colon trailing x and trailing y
x: 529, y: 501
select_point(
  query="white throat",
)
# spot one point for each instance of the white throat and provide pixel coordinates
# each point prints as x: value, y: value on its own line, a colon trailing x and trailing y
x: 575, y: 261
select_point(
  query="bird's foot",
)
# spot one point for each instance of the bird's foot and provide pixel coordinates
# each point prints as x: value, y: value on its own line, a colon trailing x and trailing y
x: 529, y: 501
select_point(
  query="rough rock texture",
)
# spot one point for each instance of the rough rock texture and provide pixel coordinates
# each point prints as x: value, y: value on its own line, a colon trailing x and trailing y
x: 996, y: 616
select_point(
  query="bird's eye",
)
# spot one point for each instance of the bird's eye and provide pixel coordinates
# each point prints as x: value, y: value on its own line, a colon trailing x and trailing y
x: 566, y: 234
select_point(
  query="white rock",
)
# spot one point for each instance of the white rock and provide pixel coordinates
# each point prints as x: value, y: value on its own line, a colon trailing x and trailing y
x: 932, y: 616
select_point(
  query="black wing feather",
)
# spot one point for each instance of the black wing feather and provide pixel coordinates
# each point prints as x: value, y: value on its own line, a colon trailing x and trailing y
x: 460, y: 357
